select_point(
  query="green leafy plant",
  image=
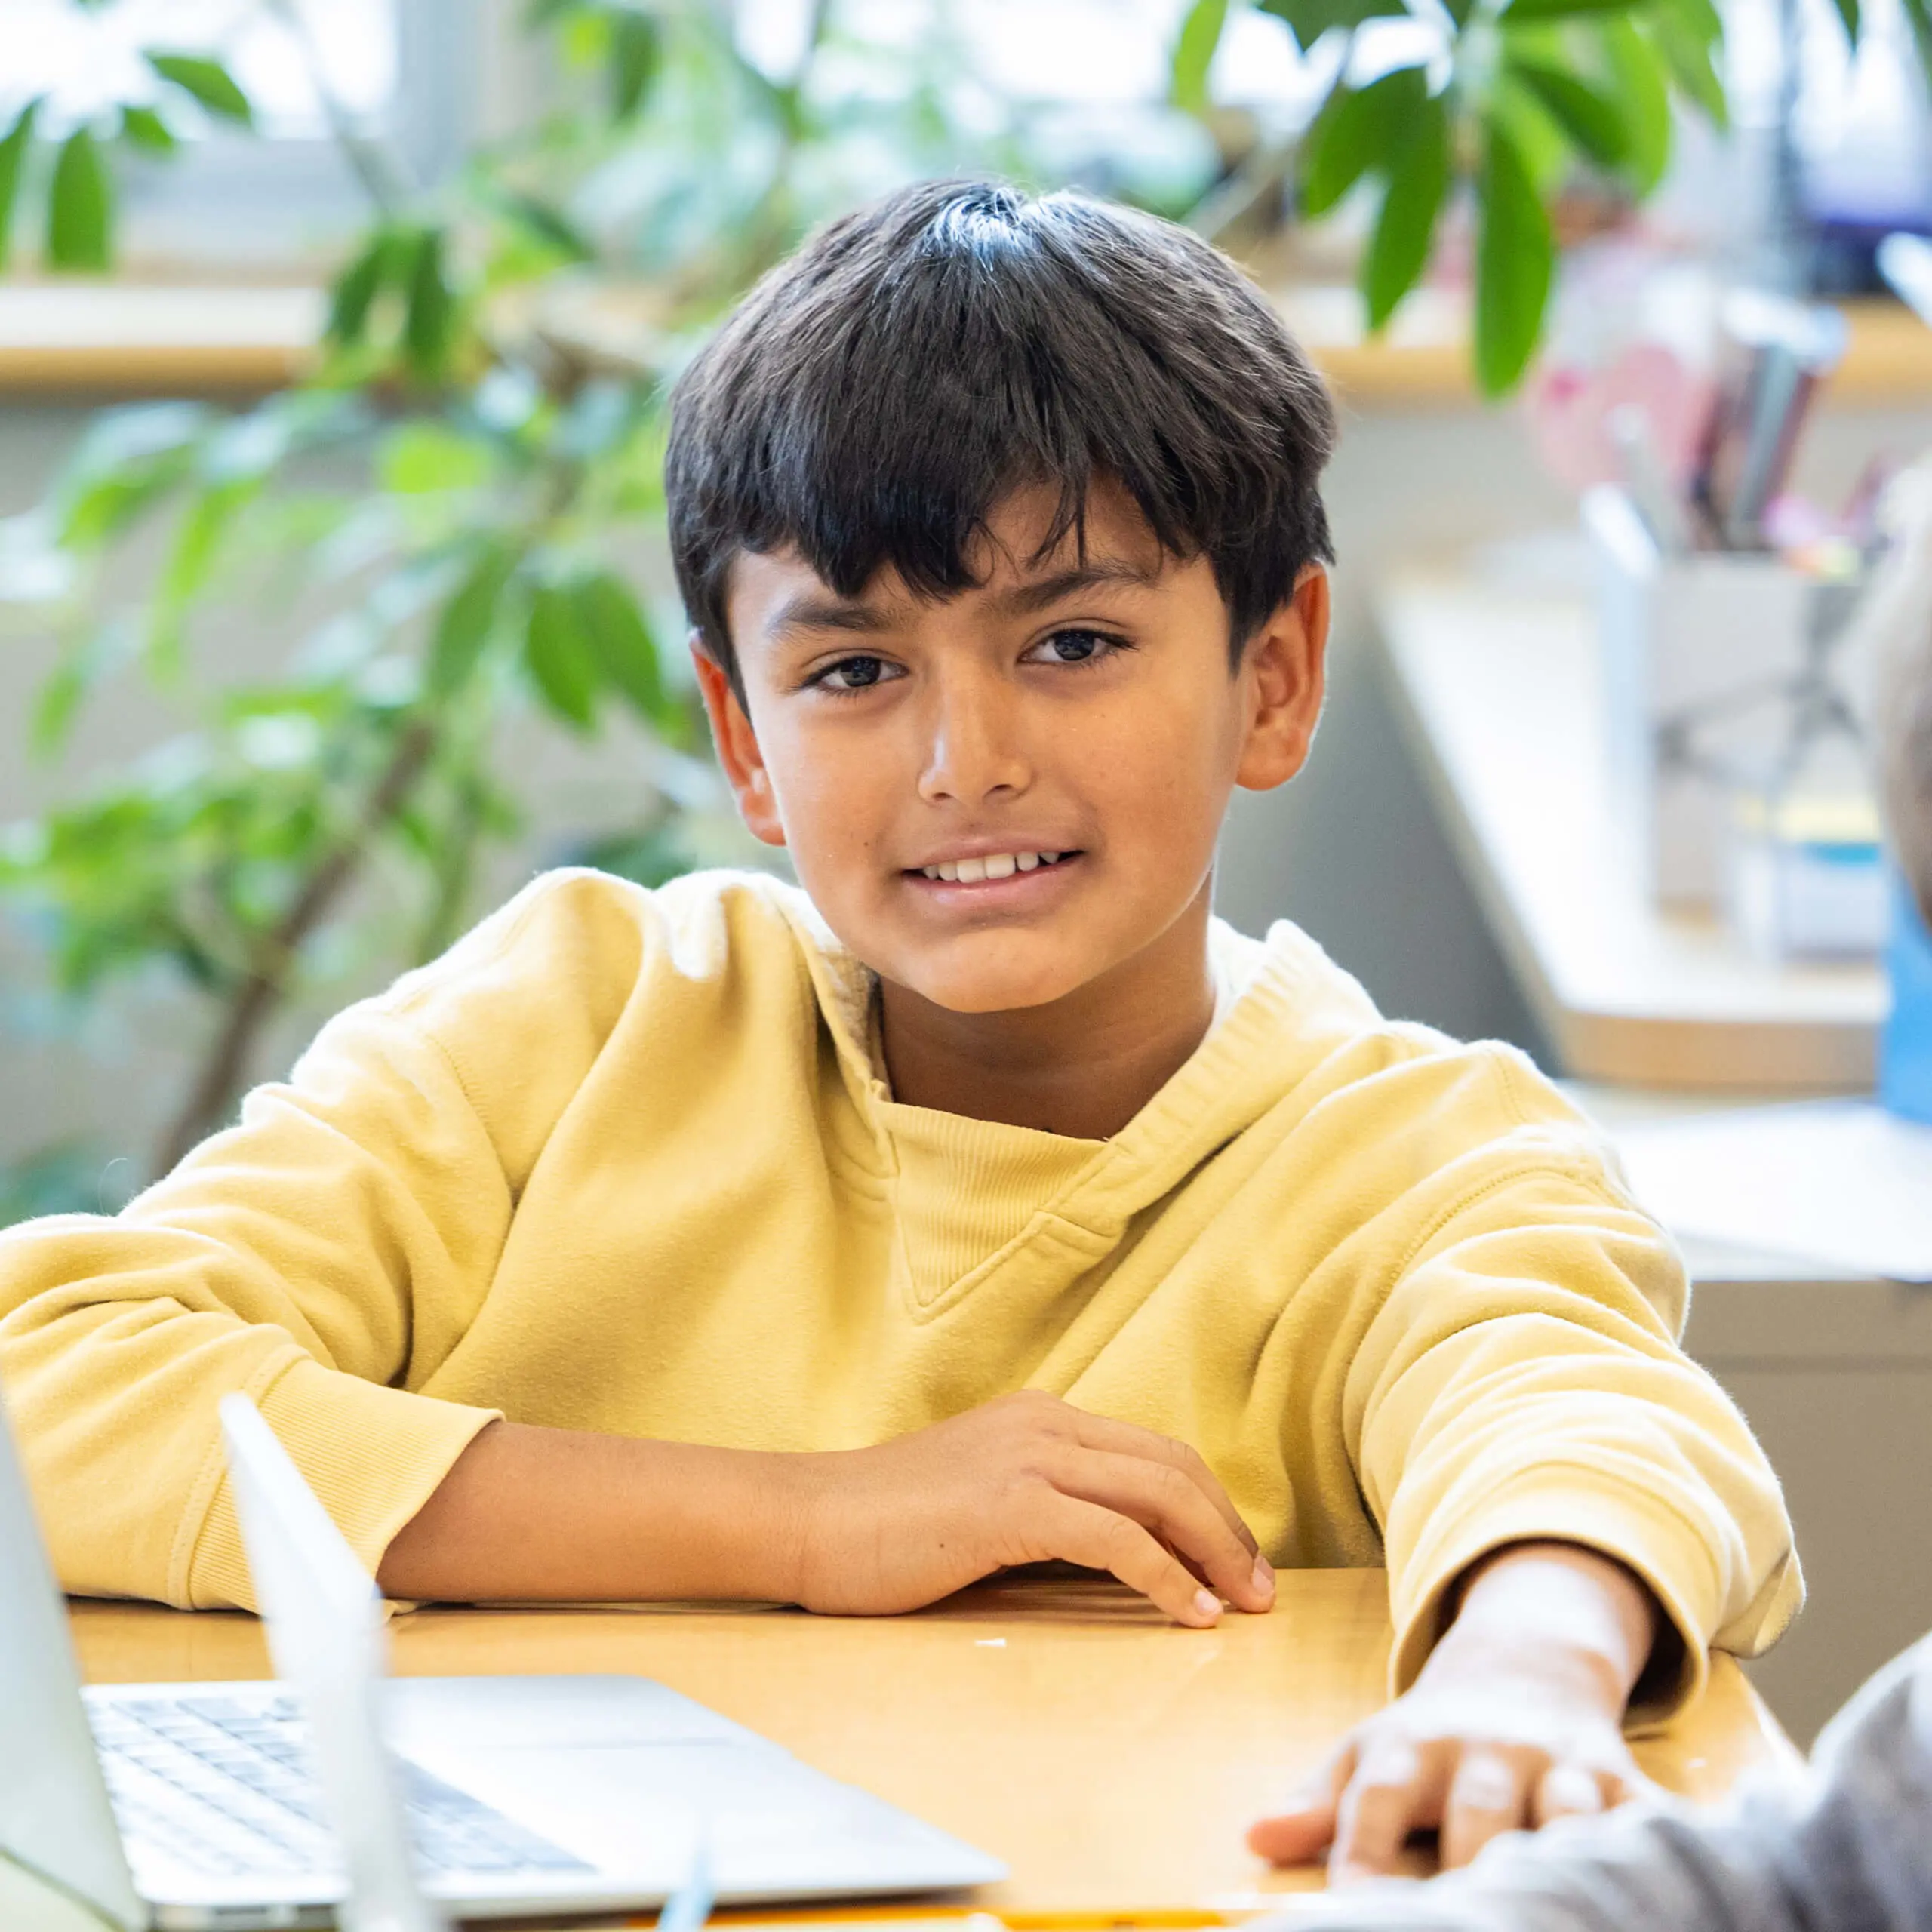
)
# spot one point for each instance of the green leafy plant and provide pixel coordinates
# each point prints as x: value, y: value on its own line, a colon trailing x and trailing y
x: 1502, y: 104
x: 463, y: 501
x: 75, y: 167
x: 462, y: 504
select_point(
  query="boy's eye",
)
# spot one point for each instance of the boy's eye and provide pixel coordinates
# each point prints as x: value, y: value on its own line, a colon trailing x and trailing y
x: 1075, y: 646
x: 852, y: 674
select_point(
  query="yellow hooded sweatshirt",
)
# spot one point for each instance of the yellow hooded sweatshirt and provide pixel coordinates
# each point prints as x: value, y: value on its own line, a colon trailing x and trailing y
x: 624, y: 1160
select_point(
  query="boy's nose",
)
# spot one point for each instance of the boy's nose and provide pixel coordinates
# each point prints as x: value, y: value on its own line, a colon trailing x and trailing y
x: 973, y: 750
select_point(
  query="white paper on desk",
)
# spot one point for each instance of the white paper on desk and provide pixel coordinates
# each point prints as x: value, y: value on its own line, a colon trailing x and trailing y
x: 1840, y: 1182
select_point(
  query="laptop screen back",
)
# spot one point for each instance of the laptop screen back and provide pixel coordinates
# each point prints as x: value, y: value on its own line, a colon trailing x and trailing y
x: 55, y: 1816
x: 325, y: 1633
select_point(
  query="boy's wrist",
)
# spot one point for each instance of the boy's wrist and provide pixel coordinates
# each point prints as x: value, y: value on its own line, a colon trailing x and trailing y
x: 776, y: 1520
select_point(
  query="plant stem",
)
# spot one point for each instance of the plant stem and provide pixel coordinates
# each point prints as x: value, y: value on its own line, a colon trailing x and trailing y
x: 254, y: 1000
x: 369, y: 161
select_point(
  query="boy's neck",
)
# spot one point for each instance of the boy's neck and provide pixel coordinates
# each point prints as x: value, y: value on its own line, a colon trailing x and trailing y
x: 1083, y: 1066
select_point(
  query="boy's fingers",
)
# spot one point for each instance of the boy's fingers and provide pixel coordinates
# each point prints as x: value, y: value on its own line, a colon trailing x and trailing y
x: 1305, y: 1827
x: 1488, y: 1795
x: 1161, y: 1499
x: 1384, y: 1801
x: 1126, y: 1438
x: 1099, y: 1539
x: 1567, y: 1791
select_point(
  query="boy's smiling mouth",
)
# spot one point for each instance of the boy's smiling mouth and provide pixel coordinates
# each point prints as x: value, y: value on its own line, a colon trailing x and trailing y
x: 972, y: 870
x: 1016, y: 872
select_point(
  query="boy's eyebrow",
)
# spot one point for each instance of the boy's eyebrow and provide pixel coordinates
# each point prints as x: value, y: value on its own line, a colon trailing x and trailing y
x: 812, y: 611
x: 1101, y: 574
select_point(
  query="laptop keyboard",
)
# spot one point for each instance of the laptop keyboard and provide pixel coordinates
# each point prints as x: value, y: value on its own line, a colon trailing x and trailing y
x: 222, y: 1788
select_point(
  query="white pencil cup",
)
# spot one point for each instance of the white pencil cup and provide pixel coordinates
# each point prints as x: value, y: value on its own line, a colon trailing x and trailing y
x: 1703, y: 654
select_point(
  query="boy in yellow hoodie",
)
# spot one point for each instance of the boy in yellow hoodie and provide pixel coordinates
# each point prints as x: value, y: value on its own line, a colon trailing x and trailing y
x: 985, y: 1201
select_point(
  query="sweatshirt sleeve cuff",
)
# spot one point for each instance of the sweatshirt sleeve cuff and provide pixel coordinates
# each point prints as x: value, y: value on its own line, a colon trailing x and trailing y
x: 1558, y: 1507
x: 373, y: 1455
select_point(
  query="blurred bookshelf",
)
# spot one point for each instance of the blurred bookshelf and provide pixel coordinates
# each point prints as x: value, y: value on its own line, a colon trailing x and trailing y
x: 141, y: 337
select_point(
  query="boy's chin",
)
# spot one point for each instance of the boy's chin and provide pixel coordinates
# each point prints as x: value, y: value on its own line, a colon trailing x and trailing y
x: 990, y: 984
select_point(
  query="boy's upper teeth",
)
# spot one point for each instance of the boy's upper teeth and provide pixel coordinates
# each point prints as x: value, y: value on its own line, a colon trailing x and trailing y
x: 994, y: 865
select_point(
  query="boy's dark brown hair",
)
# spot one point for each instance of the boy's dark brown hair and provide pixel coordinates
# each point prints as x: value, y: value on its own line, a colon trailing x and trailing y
x: 880, y: 392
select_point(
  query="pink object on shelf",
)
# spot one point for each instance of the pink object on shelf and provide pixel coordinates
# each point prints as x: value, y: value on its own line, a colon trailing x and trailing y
x: 1569, y: 408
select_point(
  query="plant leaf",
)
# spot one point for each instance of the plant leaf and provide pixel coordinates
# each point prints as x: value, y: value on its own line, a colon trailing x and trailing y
x: 82, y: 667
x: 1398, y: 249
x: 357, y: 288
x: 431, y: 313
x: 1638, y: 77
x: 633, y: 58
x: 80, y: 211
x: 1918, y: 13
x: 1308, y: 19
x: 1531, y: 13
x: 1592, y: 122
x: 1686, y: 34
x: 13, y: 161
x: 545, y: 223
x: 1195, y: 48
x: 621, y: 642
x: 205, y: 527
x: 557, y: 655
x: 207, y: 82
x: 469, y: 619
x: 142, y: 128
x: 1359, y: 129
x: 1516, y: 253
x: 423, y: 458
x: 127, y: 461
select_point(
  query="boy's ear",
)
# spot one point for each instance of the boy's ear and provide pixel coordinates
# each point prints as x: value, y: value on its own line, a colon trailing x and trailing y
x: 1284, y: 669
x: 737, y: 747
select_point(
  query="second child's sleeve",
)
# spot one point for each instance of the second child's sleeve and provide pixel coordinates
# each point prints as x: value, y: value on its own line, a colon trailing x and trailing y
x: 1844, y: 1847
x: 323, y: 1257
x: 1522, y: 1381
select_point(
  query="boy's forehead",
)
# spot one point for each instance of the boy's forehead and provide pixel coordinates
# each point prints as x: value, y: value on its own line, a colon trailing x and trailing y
x: 1015, y: 558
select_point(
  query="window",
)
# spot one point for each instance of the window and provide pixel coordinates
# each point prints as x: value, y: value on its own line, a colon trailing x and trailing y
x: 281, y: 197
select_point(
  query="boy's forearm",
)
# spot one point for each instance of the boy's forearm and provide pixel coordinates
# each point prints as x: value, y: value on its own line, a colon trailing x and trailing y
x: 536, y: 1515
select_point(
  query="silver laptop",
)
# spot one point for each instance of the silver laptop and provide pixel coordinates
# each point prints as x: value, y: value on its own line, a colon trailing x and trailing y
x: 193, y: 1805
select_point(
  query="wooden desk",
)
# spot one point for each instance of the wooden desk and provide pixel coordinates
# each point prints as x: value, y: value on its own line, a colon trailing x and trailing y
x: 1498, y: 693
x: 1112, y: 1758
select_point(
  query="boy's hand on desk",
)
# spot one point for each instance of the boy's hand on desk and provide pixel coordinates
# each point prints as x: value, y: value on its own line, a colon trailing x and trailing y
x: 1025, y: 1479
x: 1516, y: 1719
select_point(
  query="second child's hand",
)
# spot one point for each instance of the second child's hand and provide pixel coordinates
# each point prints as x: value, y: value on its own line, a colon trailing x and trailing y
x: 1516, y: 1719
x: 1025, y: 1479
x: 540, y: 1514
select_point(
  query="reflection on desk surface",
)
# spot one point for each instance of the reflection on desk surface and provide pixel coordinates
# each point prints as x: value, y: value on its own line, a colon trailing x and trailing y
x: 1112, y: 1758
